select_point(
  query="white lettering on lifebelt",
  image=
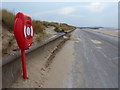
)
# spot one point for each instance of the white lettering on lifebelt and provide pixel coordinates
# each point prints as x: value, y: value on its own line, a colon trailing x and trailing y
x: 31, y: 31
x: 25, y: 31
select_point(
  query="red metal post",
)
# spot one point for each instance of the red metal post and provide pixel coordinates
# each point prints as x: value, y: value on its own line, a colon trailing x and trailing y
x: 24, y: 64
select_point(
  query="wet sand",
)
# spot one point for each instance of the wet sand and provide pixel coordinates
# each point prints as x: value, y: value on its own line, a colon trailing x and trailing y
x: 112, y: 33
x: 61, y: 68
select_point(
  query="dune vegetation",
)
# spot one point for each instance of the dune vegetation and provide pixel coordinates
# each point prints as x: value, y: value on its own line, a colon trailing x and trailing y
x: 8, y: 40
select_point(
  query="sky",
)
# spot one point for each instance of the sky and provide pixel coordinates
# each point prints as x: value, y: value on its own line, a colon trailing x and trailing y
x: 80, y: 14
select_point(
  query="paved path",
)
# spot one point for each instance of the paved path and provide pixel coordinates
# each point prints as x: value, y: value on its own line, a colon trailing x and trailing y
x: 92, y: 60
x: 96, y: 60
